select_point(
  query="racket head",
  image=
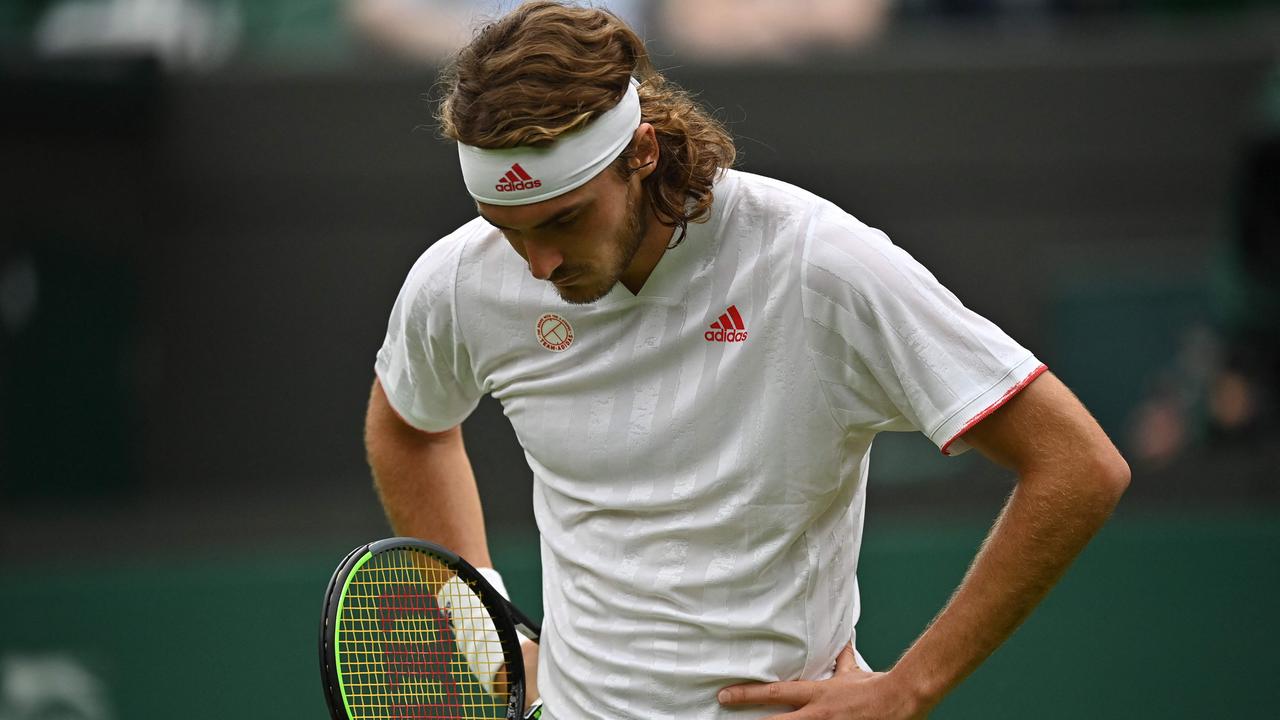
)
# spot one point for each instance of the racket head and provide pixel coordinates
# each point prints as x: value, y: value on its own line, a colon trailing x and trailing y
x: 400, y: 637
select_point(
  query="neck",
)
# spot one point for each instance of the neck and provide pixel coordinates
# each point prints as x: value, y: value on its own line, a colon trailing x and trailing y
x: 657, y: 237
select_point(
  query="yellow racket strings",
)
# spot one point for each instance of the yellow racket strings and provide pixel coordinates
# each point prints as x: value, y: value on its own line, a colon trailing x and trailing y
x: 415, y: 642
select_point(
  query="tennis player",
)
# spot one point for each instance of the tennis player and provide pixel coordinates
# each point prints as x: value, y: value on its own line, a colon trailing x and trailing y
x: 696, y: 362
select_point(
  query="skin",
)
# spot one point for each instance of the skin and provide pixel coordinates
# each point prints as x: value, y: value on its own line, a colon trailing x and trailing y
x: 1070, y: 476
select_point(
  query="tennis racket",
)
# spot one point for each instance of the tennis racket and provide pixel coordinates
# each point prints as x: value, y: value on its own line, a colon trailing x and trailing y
x: 412, y: 631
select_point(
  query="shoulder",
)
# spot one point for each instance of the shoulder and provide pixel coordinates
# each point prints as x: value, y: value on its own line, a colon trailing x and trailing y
x: 840, y: 254
x: 844, y: 258
x: 828, y: 251
x: 765, y: 216
x: 436, y: 269
x: 758, y: 195
x: 758, y: 199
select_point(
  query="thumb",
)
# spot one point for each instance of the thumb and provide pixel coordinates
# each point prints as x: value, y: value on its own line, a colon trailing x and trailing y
x: 845, y: 661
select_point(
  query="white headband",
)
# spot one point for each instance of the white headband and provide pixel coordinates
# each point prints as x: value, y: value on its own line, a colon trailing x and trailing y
x: 524, y: 175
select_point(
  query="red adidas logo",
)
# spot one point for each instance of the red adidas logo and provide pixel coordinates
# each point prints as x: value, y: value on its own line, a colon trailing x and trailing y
x: 517, y: 179
x: 729, y: 328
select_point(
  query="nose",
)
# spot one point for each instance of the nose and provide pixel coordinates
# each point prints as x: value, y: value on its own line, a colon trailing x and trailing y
x: 543, y: 259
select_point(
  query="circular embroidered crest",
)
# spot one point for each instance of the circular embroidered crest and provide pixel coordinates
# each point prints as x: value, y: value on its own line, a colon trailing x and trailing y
x: 554, y: 332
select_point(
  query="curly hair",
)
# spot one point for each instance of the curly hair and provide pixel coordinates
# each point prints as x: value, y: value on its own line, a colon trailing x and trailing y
x: 548, y: 68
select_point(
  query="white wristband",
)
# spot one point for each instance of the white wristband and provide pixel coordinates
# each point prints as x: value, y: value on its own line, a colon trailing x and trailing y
x: 473, y: 631
x: 495, y: 580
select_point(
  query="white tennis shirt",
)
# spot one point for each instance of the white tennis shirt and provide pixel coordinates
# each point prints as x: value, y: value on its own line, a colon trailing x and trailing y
x: 699, y: 450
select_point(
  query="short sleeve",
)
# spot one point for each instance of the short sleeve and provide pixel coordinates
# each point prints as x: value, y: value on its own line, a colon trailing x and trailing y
x: 893, y: 348
x: 423, y: 364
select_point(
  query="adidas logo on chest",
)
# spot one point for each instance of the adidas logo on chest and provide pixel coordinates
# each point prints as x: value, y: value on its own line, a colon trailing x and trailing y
x: 729, y: 328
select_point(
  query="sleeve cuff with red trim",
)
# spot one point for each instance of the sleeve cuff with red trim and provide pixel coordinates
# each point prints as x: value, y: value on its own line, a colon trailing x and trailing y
x: 949, y: 435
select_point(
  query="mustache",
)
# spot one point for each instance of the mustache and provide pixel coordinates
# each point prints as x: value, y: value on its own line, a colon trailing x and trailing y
x: 562, y: 273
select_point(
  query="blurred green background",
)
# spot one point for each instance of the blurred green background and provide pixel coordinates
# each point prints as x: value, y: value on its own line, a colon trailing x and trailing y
x: 207, y: 209
x: 1162, y: 616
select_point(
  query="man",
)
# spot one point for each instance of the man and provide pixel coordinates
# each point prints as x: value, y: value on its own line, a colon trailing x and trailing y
x: 695, y: 361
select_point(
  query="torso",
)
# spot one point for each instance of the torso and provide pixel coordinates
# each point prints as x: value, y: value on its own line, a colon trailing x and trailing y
x: 700, y: 509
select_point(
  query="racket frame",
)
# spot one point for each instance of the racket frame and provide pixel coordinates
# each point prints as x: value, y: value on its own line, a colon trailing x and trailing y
x: 504, y: 615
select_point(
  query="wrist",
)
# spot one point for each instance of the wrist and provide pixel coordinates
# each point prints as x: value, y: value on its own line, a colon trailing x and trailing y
x: 917, y: 688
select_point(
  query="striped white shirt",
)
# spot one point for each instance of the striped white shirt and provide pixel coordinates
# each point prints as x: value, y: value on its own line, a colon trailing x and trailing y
x: 700, y: 449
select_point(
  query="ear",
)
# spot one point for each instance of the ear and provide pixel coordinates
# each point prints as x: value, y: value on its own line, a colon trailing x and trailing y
x: 645, y: 160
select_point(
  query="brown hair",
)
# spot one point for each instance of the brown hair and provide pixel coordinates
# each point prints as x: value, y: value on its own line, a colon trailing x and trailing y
x: 548, y: 68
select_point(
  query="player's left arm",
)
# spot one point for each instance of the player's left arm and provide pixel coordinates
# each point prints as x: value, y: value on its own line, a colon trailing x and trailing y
x: 1070, y: 478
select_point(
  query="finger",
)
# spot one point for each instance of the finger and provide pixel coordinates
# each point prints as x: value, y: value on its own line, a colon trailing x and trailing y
x: 845, y: 661
x: 796, y: 693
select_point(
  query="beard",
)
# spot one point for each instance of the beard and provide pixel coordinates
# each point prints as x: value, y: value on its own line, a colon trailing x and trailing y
x: 596, y: 283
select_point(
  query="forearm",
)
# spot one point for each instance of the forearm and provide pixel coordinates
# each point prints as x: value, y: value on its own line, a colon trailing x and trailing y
x: 1047, y: 521
x: 425, y: 482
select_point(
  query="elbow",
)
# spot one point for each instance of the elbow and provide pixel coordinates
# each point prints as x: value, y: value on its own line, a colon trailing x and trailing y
x: 1111, y: 475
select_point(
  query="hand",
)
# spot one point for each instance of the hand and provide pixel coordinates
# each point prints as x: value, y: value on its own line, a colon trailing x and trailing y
x: 851, y: 693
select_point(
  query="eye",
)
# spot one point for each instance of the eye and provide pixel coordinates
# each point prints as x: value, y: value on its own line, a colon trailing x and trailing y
x: 568, y: 220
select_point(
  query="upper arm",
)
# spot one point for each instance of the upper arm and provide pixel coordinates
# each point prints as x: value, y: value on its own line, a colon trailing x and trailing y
x: 382, y: 422
x: 1045, y: 428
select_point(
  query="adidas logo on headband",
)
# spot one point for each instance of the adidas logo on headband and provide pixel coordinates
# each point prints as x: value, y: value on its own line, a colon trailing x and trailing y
x: 517, y: 179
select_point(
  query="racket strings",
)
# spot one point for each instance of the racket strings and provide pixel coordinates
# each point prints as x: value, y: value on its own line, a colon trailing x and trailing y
x: 416, y: 642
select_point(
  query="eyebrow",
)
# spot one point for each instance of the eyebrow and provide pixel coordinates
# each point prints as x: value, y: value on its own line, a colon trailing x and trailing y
x: 551, y: 220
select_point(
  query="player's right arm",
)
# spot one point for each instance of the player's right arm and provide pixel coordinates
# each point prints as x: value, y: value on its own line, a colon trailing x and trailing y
x: 428, y: 491
x: 424, y: 480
